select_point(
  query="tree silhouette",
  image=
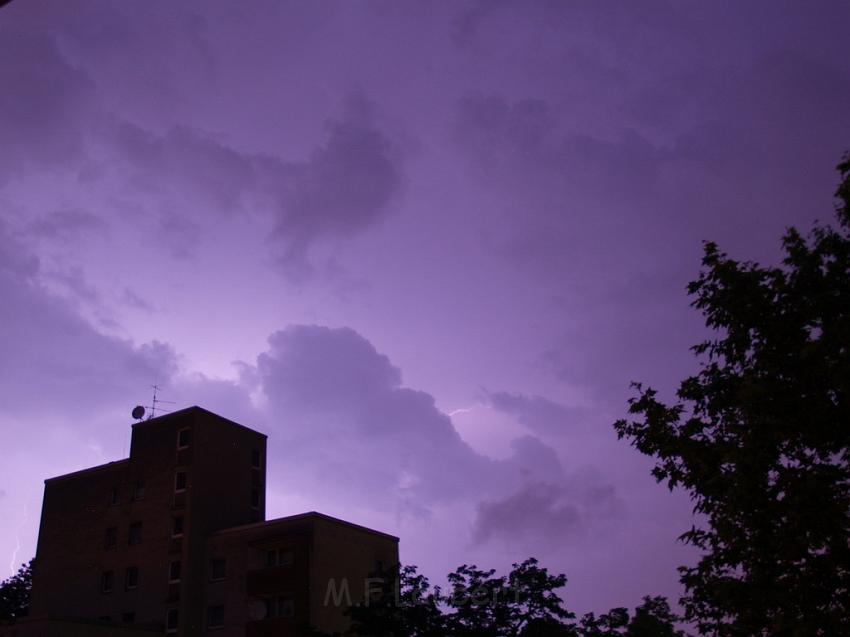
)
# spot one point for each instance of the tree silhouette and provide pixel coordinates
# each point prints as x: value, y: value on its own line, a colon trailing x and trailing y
x: 402, y: 603
x: 525, y: 603
x: 15, y: 594
x: 760, y: 437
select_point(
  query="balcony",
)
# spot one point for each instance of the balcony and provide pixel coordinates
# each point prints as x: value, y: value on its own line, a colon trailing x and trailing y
x: 276, y: 579
x: 276, y: 627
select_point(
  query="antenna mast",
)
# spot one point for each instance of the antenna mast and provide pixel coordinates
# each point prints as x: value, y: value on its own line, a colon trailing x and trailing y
x: 156, y: 401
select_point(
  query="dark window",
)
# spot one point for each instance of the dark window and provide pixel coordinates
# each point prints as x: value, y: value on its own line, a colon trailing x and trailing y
x: 138, y: 491
x: 180, y: 480
x: 177, y: 526
x: 135, y: 533
x: 131, y: 578
x: 255, y: 498
x: 218, y: 568
x: 183, y: 438
x: 280, y: 607
x: 128, y: 618
x: 279, y: 557
x: 215, y: 616
x: 255, y: 458
x: 104, y: 618
x: 107, y: 580
x: 113, y: 497
x: 172, y: 618
x: 174, y: 571
x: 285, y: 607
x: 110, y: 540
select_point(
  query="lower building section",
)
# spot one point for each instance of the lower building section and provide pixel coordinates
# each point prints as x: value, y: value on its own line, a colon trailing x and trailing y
x: 286, y: 576
x: 173, y: 541
x: 49, y: 627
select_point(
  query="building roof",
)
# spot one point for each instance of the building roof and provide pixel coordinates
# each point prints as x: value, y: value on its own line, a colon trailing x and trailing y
x: 299, y: 517
x: 165, y: 418
x: 90, y: 470
x: 194, y: 409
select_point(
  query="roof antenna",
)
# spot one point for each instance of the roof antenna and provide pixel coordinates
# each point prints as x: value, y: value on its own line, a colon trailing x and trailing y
x: 156, y: 401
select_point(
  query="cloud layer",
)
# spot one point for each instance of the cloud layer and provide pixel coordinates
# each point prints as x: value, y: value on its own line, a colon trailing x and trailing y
x: 424, y: 246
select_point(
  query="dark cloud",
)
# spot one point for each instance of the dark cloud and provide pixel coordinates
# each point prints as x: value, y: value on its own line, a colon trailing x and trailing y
x: 532, y: 513
x: 178, y: 234
x: 53, y: 359
x: 132, y: 299
x: 537, y: 413
x: 522, y: 143
x: 57, y: 117
x: 74, y: 281
x: 44, y: 106
x: 207, y: 168
x: 68, y: 225
x: 346, y: 185
x: 16, y: 262
x: 548, y: 514
x: 471, y: 16
x: 340, y: 403
x: 534, y: 460
x: 341, y: 421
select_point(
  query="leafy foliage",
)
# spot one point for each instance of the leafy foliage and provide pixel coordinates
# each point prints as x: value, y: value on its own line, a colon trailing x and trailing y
x: 760, y: 437
x: 15, y: 594
x: 402, y: 603
x: 525, y: 603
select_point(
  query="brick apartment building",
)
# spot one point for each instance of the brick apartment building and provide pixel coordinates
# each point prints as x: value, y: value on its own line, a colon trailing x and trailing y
x: 173, y: 540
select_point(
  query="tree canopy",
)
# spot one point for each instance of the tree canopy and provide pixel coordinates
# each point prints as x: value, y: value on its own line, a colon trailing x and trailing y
x: 480, y: 603
x: 15, y: 594
x: 760, y: 438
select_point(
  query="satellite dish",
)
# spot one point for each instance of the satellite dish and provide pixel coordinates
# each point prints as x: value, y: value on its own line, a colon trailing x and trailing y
x: 138, y: 412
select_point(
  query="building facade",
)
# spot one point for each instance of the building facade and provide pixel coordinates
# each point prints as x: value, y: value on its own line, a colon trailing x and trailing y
x: 173, y: 540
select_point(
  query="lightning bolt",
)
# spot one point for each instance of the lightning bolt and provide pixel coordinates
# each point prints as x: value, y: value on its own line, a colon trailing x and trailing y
x: 463, y: 410
x: 14, y: 558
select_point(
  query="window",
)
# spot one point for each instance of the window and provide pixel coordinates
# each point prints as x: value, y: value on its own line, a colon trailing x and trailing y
x: 255, y: 458
x: 180, y: 480
x: 110, y: 540
x: 280, y: 607
x: 183, y: 438
x: 177, y: 526
x: 135, y: 533
x: 113, y: 496
x: 131, y: 578
x: 174, y: 572
x: 128, y: 618
x: 279, y: 557
x: 215, y: 616
x: 107, y: 580
x: 172, y: 619
x: 218, y: 568
x: 138, y: 491
x: 255, y: 498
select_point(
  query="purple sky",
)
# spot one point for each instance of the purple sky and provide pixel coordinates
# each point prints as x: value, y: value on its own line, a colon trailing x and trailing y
x: 424, y: 246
